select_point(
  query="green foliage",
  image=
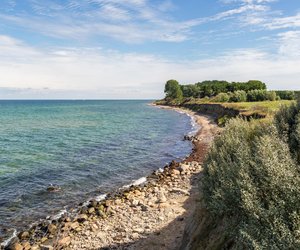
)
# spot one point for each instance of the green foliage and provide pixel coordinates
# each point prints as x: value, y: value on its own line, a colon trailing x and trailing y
x: 252, y: 183
x: 190, y: 90
x: 259, y: 95
x: 287, y: 121
x: 238, y: 96
x: 222, y: 97
x: 173, y: 90
x: 286, y: 95
x: 213, y: 88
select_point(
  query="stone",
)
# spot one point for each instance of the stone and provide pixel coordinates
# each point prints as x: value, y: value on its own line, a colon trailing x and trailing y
x: 162, y: 198
x: 175, y: 172
x: 183, y: 168
x: 135, y: 203
x: 144, y: 208
x: 81, y: 218
x: 93, y: 203
x: 135, y: 236
x: 74, y: 225
x: 44, y: 239
x: 46, y: 247
x: 91, y: 210
x: 138, y: 230
x: 64, y: 241
x: 181, y: 191
x: 35, y: 247
x: 161, y: 218
x: 24, y: 235
x: 52, y: 228
x: 18, y: 246
x: 26, y: 245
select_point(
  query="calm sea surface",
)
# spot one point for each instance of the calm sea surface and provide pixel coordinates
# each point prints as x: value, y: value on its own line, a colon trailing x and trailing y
x: 88, y: 148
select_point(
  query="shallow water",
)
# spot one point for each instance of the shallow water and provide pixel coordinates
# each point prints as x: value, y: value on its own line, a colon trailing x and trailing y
x: 88, y: 148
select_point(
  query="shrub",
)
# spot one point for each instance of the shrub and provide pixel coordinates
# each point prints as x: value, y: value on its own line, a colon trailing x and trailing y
x: 261, y: 95
x: 238, y: 96
x: 287, y: 121
x: 286, y: 95
x: 222, y: 97
x: 271, y: 96
x: 252, y: 184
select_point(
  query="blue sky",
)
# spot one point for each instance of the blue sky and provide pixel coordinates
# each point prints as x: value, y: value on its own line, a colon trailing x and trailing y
x: 128, y: 49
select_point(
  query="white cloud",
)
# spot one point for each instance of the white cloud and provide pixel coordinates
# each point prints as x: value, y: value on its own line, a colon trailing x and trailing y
x: 94, y: 73
x: 284, y: 22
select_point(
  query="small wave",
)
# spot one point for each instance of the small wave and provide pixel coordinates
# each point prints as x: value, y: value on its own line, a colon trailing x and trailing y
x: 136, y: 182
x: 195, y: 125
x: 100, y: 197
x: 59, y: 214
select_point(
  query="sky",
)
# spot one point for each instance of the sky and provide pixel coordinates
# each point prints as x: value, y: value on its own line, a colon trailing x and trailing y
x: 128, y: 49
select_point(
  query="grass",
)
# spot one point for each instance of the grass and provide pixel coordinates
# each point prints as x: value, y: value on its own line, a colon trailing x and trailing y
x: 263, y: 108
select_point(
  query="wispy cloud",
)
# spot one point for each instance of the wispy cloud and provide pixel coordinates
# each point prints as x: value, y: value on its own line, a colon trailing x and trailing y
x: 131, y: 21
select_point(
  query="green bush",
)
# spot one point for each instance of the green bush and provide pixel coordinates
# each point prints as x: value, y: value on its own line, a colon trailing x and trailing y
x: 252, y: 184
x: 286, y: 95
x: 287, y: 121
x: 222, y: 97
x: 261, y: 95
x: 238, y: 96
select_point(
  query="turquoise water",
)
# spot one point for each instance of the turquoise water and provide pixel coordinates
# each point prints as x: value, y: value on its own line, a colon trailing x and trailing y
x: 88, y: 148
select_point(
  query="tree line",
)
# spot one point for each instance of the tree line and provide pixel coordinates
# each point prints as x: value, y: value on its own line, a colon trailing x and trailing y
x: 223, y: 91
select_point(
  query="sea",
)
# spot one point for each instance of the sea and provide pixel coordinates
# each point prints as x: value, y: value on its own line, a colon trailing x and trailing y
x: 87, y: 148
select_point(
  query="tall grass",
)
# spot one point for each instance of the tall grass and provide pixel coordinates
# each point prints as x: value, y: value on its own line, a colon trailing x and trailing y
x: 252, y: 183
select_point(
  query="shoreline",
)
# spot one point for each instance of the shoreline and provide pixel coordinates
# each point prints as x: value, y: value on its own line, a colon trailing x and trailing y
x: 76, y: 232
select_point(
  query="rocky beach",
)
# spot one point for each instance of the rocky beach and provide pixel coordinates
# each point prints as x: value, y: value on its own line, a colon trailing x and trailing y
x: 152, y: 215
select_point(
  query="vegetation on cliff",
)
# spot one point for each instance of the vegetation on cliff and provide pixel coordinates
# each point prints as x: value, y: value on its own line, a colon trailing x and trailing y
x: 251, y: 182
x: 222, y: 92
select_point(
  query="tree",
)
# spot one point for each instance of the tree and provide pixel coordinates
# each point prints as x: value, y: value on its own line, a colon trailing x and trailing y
x: 173, y: 90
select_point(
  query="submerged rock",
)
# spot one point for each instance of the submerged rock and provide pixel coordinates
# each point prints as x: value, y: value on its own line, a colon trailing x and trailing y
x: 53, y: 188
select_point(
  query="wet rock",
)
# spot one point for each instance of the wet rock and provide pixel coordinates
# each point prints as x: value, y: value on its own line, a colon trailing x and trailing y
x: 24, y: 235
x: 13, y: 245
x: 81, y: 218
x: 93, y: 203
x: 52, y: 229
x: 53, y: 188
x: 91, y: 210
